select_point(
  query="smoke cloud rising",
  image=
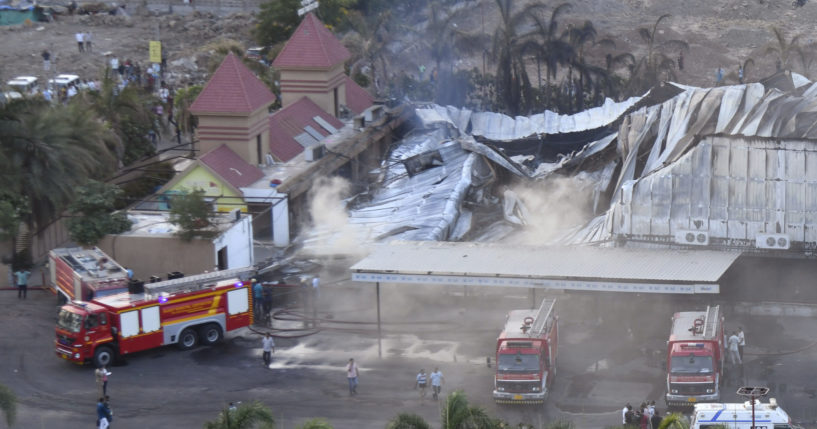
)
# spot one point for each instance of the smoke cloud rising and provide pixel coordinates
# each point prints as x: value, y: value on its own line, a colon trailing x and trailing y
x: 330, y: 231
x: 554, y: 208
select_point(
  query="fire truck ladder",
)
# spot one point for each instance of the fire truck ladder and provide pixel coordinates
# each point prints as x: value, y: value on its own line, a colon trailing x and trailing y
x: 543, y: 318
x: 196, y: 282
x: 711, y: 321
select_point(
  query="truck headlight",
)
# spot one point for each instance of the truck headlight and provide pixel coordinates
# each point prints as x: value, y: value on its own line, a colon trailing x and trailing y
x: 710, y: 390
x: 535, y: 389
x: 76, y: 355
x: 674, y: 391
x: 501, y: 389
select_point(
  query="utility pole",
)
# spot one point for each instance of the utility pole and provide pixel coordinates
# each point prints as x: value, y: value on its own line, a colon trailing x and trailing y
x: 753, y: 393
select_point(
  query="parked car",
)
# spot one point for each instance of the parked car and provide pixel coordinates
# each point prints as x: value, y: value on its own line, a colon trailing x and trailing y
x: 21, y: 86
x: 64, y: 80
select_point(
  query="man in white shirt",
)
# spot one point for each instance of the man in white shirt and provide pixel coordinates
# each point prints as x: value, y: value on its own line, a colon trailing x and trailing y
x: 351, y: 375
x: 436, y: 382
x: 269, y: 347
x: 734, y: 354
x: 741, y: 342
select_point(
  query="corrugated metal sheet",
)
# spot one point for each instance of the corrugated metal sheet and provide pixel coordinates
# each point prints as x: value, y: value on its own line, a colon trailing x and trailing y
x: 493, y: 260
x: 733, y: 188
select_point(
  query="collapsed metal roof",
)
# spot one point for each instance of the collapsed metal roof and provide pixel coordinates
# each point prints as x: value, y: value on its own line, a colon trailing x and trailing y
x: 727, y: 167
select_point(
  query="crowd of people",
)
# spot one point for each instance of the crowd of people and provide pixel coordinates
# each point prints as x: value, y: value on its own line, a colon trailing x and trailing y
x: 645, y: 416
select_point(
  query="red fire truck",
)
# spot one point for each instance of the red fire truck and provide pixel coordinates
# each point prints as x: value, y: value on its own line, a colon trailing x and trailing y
x: 84, y: 274
x: 183, y: 311
x: 526, y: 355
x: 695, y: 357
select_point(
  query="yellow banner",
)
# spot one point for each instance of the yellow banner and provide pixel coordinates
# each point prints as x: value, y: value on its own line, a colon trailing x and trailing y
x: 155, y: 51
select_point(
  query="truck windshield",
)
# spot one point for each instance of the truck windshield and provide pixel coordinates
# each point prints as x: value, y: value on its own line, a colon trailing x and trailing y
x: 691, y: 365
x: 518, y: 363
x: 69, y: 321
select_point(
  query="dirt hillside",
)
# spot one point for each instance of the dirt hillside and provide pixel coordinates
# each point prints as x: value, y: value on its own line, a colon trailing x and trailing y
x: 720, y: 34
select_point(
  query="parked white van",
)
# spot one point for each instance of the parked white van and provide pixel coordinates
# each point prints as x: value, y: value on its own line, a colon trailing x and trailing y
x: 64, y: 80
x: 739, y: 416
x: 21, y: 86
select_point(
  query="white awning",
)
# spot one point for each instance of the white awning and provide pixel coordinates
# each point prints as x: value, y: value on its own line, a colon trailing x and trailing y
x: 569, y: 268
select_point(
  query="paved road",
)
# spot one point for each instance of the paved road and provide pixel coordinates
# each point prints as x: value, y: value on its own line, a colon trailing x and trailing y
x: 611, y: 353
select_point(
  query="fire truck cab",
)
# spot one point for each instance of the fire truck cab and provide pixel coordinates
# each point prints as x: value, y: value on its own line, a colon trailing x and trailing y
x: 184, y: 311
x: 526, y: 355
x: 695, y: 357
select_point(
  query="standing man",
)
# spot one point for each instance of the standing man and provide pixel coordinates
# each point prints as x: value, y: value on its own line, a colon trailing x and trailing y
x: 740, y: 73
x: 98, y: 378
x: 86, y: 37
x: 103, y: 414
x: 422, y: 382
x: 351, y: 374
x: 80, y: 41
x: 269, y: 348
x: 257, y: 299
x: 46, y: 60
x: 624, y: 410
x: 22, y: 283
x: 101, y: 374
x: 734, y: 351
x: 741, y: 342
x: 436, y: 382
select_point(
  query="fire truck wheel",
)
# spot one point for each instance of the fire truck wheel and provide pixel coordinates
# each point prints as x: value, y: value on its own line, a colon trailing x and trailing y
x: 188, y: 339
x: 210, y: 334
x: 103, y: 356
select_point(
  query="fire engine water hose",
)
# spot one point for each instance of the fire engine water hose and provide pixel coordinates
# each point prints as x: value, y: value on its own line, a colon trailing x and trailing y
x: 789, y: 352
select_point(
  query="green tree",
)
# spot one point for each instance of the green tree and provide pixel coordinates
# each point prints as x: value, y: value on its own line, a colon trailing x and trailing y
x: 47, y: 152
x: 92, y: 213
x: 674, y: 421
x: 407, y: 421
x: 8, y: 404
x: 191, y: 212
x: 457, y: 413
x: 244, y: 416
x: 184, y: 98
x: 315, y: 424
x: 278, y: 19
x: 128, y: 112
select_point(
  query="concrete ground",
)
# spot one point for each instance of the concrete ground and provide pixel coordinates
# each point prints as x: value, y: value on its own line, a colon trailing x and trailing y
x: 611, y: 352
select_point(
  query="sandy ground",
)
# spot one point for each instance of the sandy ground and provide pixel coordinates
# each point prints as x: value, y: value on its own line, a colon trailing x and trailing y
x: 721, y: 33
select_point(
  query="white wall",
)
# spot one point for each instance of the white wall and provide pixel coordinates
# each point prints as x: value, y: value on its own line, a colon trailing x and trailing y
x: 238, y: 240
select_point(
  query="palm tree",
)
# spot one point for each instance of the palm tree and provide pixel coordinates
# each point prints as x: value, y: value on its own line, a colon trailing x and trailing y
x: 508, y: 47
x: 735, y: 75
x: 674, y: 421
x: 458, y: 414
x: 8, y: 405
x: 579, y: 37
x: 549, y: 47
x: 655, y: 64
x: 783, y: 49
x: 243, y: 416
x: 129, y: 114
x: 407, y: 421
x: 47, y: 152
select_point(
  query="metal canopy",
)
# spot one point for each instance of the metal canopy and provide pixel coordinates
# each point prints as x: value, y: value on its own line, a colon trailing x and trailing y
x: 571, y: 268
